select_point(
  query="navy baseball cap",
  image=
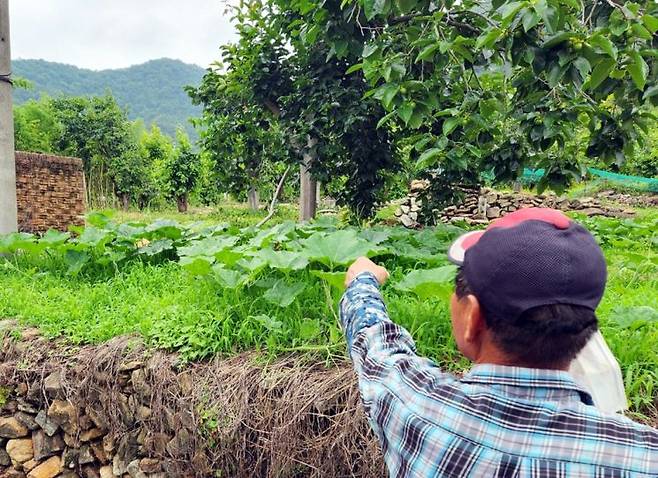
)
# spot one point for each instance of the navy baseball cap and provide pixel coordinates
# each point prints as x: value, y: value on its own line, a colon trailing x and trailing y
x: 529, y: 258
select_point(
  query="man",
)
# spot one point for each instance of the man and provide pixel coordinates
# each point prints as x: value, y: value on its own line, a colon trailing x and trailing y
x: 523, y: 308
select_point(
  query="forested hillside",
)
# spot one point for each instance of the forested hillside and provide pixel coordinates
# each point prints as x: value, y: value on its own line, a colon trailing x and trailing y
x: 152, y: 91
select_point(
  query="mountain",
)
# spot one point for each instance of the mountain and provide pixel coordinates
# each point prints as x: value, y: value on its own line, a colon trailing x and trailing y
x: 152, y: 91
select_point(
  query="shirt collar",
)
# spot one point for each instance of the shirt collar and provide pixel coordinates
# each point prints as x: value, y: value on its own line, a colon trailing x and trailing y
x: 529, y: 378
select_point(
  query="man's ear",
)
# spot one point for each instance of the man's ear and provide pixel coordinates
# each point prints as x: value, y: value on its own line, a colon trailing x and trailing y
x: 473, y: 319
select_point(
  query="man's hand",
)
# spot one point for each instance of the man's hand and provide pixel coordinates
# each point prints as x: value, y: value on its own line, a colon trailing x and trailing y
x: 363, y: 264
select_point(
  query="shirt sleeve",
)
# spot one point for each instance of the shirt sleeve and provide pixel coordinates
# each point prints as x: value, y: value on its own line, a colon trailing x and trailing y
x: 384, y: 357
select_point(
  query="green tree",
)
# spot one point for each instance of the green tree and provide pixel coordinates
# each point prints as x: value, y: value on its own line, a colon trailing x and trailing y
x: 35, y: 127
x: 156, y: 150
x: 97, y: 130
x: 182, y: 171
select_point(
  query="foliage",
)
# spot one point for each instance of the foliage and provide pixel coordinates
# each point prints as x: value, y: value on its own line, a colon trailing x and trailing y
x: 302, y: 99
x: 152, y: 91
x: 209, y: 289
x: 155, y: 150
x: 35, y: 127
x: 182, y: 170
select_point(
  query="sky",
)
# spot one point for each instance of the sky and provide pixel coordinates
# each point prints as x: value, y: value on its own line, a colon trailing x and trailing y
x: 101, y: 34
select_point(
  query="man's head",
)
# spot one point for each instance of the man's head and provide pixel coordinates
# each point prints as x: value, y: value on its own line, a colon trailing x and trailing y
x: 527, y: 290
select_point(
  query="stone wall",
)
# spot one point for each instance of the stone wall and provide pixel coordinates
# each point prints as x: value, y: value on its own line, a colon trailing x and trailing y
x: 50, y: 192
x: 483, y: 205
x: 120, y: 409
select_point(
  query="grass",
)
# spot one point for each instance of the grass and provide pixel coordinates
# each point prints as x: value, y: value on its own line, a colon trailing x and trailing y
x: 174, y: 310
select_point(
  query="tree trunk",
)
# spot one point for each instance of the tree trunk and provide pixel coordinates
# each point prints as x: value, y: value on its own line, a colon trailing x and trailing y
x: 125, y: 201
x: 517, y: 186
x: 253, y: 198
x: 308, y: 189
x: 181, y: 202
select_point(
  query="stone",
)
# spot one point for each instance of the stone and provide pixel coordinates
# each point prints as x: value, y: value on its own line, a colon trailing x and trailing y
x: 48, y: 469
x: 10, y: 427
x: 119, y: 466
x: 12, y: 473
x: 4, y: 457
x: 143, y: 413
x: 97, y: 417
x: 106, y: 472
x: 108, y: 444
x: 90, y: 435
x: 86, y: 423
x: 150, y: 465
x: 407, y: 221
x: 22, y: 389
x: 86, y: 456
x: 53, y: 384
x: 20, y: 450
x: 99, y: 452
x: 69, y: 474
x: 130, y: 366
x: 45, y: 446
x: 71, y: 441
x: 46, y: 424
x: 419, y: 185
x: 134, y: 471
x: 413, y: 216
x: 30, y: 465
x: 64, y: 414
x: 70, y: 457
x: 157, y: 443
x: 405, y: 209
x: 593, y: 211
x: 24, y: 406
x: 493, y: 212
x: 398, y: 212
x: 27, y: 420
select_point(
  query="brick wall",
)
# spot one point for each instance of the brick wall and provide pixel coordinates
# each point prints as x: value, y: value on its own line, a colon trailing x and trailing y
x: 50, y: 192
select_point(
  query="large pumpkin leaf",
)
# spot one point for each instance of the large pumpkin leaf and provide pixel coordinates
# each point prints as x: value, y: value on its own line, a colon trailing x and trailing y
x: 634, y: 317
x: 429, y: 282
x: 334, y: 279
x: 284, y: 260
x: 283, y: 294
x: 198, y: 265
x: 208, y: 246
x: 228, y: 278
x: 335, y: 248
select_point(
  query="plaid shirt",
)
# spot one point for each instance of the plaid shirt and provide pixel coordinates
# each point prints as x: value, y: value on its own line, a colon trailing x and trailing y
x: 496, y: 421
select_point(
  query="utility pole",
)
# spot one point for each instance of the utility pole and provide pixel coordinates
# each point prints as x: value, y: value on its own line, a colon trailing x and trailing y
x: 8, y: 208
x: 308, y: 189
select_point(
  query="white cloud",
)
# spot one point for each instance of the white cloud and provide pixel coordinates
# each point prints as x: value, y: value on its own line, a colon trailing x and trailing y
x: 101, y: 34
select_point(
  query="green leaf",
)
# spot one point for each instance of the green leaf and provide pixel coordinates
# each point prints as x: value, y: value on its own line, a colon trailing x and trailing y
x: 309, y: 329
x: 228, y: 257
x: 283, y: 294
x: 370, y: 49
x: 650, y: 22
x: 208, y: 246
x: 450, y: 124
x: 427, y: 52
x: 429, y: 282
x: 372, y: 8
x: 604, y: 44
x: 641, y: 32
x: 156, y: 247
x: 638, y: 70
x: 488, y: 38
x: 405, y: 6
x: 389, y: 93
x: 284, y: 260
x: 354, y: 68
x: 227, y: 278
x: 530, y: 19
x: 634, y: 317
x: 76, y: 260
x: 583, y: 66
x: 269, y: 323
x: 558, y: 38
x: 405, y: 110
x: 508, y: 11
x: 334, y: 279
x: 385, y: 119
x: 601, y: 72
x: 198, y: 265
x: 166, y: 228
x: 53, y: 238
x: 651, y: 92
x: 427, y: 158
x: 336, y: 248
x: 93, y: 236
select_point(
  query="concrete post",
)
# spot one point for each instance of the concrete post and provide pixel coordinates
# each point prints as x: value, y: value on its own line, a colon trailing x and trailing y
x: 308, y: 189
x: 8, y: 212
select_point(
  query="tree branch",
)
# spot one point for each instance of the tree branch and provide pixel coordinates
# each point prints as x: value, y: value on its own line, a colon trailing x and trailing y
x: 275, y: 198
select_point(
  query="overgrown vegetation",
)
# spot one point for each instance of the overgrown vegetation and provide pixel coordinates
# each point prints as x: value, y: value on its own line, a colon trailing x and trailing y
x: 218, y: 289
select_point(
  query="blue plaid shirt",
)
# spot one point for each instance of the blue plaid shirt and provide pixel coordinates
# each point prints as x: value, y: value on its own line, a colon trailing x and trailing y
x: 496, y: 421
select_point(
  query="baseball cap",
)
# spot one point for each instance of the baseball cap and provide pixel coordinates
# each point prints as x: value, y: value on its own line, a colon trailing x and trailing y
x: 529, y: 258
